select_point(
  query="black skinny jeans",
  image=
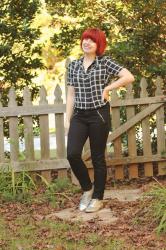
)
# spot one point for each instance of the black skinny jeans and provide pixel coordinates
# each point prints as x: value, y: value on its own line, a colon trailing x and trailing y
x: 94, y: 124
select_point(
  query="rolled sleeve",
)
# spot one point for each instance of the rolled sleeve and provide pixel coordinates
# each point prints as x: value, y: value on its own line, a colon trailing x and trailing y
x: 70, y: 75
x: 112, y: 67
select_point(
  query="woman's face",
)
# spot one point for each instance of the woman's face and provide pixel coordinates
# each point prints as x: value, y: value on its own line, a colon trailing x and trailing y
x: 89, y: 46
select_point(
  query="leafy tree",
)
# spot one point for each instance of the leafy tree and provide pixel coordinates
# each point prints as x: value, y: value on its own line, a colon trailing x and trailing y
x: 19, y: 56
x: 135, y: 30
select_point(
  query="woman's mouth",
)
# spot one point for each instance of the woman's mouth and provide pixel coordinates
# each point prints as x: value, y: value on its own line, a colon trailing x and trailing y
x: 86, y: 47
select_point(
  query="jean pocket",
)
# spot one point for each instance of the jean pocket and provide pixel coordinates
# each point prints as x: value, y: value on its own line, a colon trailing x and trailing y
x: 74, y: 113
x: 105, y: 117
x: 101, y: 116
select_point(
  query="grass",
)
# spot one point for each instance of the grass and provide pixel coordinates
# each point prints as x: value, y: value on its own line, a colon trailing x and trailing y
x: 29, y: 232
x: 153, y: 209
x: 49, y: 234
x: 21, y: 187
x: 30, y: 229
x: 15, y: 186
x: 58, y: 191
x: 157, y: 207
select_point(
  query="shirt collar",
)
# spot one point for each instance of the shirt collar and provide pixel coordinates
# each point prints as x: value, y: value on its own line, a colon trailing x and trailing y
x: 96, y: 61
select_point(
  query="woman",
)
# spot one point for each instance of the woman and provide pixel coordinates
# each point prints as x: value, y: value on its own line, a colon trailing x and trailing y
x: 88, y: 113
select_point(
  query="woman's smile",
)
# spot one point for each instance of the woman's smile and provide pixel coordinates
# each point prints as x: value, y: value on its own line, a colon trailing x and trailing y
x: 88, y: 45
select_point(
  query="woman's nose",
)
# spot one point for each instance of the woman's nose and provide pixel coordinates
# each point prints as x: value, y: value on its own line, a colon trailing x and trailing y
x: 87, y: 40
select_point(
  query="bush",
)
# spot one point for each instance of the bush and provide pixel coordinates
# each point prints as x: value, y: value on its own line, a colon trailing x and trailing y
x: 15, y: 186
x: 157, y: 207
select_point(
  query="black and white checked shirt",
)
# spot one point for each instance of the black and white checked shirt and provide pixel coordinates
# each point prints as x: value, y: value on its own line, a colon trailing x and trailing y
x: 89, y: 85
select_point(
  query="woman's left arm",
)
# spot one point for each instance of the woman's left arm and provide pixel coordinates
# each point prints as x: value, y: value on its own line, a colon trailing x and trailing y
x: 125, y: 78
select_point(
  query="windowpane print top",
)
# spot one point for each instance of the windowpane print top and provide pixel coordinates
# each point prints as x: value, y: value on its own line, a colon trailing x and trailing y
x: 89, y: 85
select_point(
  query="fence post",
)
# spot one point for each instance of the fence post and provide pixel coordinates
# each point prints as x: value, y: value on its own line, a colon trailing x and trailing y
x: 161, y: 144
x: 28, y: 127
x: 132, y: 148
x: 13, y: 128
x: 44, y: 134
x: 147, y: 149
x: 2, y: 156
x: 117, y: 142
x: 60, y: 131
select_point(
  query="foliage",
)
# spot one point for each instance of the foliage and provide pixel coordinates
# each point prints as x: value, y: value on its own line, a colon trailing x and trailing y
x: 157, y: 207
x: 135, y: 30
x: 19, y: 56
x: 28, y: 230
x: 58, y: 190
x: 20, y: 186
x: 15, y: 186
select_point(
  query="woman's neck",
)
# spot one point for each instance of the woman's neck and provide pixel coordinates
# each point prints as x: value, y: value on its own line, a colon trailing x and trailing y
x: 88, y: 60
x: 89, y: 57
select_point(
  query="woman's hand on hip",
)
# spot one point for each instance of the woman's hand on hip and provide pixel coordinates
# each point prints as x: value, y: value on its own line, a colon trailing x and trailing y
x: 105, y: 95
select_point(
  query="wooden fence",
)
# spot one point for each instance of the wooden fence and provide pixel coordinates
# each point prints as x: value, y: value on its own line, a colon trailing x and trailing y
x: 27, y: 112
x: 123, y: 156
x: 136, y: 133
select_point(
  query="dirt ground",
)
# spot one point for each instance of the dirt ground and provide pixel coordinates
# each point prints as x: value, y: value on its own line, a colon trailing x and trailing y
x: 132, y: 225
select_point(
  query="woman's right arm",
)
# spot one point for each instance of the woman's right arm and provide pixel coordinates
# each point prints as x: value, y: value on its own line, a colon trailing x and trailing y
x: 69, y: 106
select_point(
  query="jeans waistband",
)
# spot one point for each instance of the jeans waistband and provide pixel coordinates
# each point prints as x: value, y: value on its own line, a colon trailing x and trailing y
x: 103, y: 107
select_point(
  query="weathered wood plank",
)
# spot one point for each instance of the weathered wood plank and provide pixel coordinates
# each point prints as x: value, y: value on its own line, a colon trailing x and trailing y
x: 14, y: 138
x: 132, y: 148
x: 147, y: 150
x: 74, y: 179
x: 161, y: 137
x: 86, y: 146
x: 44, y: 134
x: 13, y: 128
x: 32, y: 110
x: 130, y: 160
x: 2, y: 155
x: 36, y: 165
x: 28, y: 136
x: 60, y: 130
x: 138, y: 117
x: 85, y: 149
x: 117, y: 143
x: 28, y: 127
x: 138, y: 101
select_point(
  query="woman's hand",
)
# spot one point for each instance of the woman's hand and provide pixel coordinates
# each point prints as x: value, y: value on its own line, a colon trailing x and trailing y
x: 105, y: 94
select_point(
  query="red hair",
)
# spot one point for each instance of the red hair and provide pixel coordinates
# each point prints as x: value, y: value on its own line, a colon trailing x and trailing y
x: 98, y: 36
